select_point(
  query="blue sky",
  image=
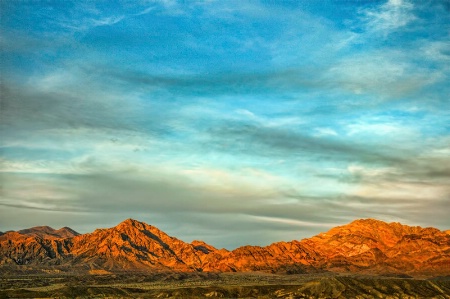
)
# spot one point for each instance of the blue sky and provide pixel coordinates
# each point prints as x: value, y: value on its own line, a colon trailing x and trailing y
x: 234, y: 122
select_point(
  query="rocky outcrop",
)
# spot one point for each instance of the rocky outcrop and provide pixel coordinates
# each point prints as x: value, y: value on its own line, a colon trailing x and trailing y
x: 363, y: 246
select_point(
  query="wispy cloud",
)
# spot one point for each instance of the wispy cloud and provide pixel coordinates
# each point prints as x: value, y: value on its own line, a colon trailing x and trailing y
x: 258, y: 140
x: 387, y: 73
x: 89, y: 23
x: 108, y: 21
x: 391, y: 16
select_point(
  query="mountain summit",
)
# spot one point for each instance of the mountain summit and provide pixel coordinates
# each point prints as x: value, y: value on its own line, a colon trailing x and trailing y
x: 363, y: 246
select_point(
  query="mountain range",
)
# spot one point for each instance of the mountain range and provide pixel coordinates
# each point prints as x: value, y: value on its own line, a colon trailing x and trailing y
x: 365, y: 246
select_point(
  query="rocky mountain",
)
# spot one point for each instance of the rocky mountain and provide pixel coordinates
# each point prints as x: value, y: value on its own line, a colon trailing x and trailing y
x: 46, y: 232
x: 133, y: 244
x: 363, y: 246
x: 379, y: 246
x: 18, y: 249
x: 368, y: 246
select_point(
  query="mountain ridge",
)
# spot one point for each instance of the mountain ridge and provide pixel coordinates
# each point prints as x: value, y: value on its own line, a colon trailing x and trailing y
x: 362, y: 246
x: 49, y: 232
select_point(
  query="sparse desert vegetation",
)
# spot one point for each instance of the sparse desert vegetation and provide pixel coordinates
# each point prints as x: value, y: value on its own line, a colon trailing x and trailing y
x: 220, y: 285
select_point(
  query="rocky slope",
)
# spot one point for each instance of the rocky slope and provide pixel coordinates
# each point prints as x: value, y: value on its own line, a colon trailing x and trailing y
x: 363, y: 246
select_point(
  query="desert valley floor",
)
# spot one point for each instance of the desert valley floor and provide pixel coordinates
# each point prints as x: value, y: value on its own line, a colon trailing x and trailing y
x: 223, y: 285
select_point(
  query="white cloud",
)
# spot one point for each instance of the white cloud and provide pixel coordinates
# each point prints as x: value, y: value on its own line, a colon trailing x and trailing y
x: 365, y: 171
x: 145, y: 11
x: 436, y: 51
x: 265, y: 121
x: 246, y: 113
x: 293, y: 222
x: 388, y: 74
x: 320, y: 132
x: 394, y: 14
x: 402, y: 191
x: 380, y: 129
x: 107, y: 21
x: 87, y: 23
x: 239, y: 182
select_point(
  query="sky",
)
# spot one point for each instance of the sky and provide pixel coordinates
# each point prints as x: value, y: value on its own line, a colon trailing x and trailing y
x: 233, y: 122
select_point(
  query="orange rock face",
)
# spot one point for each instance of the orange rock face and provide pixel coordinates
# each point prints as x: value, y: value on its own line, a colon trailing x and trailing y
x: 364, y: 246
